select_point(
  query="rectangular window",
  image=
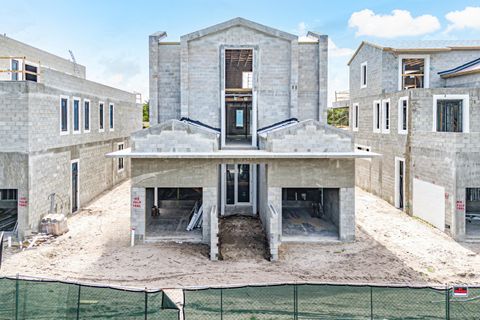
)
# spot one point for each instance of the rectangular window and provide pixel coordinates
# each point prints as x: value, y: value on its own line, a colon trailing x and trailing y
x: 386, y: 116
x: 449, y: 115
x: 363, y: 76
x: 14, y: 69
x: 247, y: 80
x: 31, y: 73
x: 64, y: 115
x: 76, y: 115
x: 101, y: 117
x: 111, y: 116
x: 86, y: 115
x: 356, y: 110
x: 376, y: 115
x: 403, y: 115
x: 413, y: 71
x: 120, y: 160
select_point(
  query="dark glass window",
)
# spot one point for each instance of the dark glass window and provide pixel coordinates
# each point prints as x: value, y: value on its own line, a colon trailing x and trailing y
x: 64, y: 114
x: 100, y: 114
x: 14, y: 68
x: 111, y: 116
x: 449, y: 115
x: 31, y: 73
x: 86, y: 114
x: 76, y: 115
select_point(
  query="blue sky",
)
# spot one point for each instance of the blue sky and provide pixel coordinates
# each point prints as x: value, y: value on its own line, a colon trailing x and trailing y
x: 111, y: 37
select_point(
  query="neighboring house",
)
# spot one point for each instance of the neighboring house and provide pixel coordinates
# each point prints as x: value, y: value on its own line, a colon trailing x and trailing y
x: 237, y: 115
x: 55, y: 129
x: 417, y: 104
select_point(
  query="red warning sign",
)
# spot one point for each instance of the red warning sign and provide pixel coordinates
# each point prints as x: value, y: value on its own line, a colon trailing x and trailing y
x: 137, y: 203
x: 460, y: 291
x: 460, y: 205
x: 22, y: 202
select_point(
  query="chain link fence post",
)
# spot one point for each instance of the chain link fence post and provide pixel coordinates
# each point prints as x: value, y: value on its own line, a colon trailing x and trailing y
x: 78, y: 301
x: 371, y: 303
x: 447, y: 302
x: 146, y: 304
x: 16, y: 297
x: 221, y: 304
x: 295, y: 302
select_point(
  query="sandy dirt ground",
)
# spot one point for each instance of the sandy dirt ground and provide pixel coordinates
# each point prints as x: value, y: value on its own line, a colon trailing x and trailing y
x: 391, y: 247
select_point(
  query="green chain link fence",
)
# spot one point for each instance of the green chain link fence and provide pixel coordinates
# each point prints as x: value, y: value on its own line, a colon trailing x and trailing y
x: 39, y: 299
x: 326, y: 301
x: 45, y: 299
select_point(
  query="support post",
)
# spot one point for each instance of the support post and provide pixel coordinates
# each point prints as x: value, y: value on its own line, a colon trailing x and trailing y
x: 78, y: 301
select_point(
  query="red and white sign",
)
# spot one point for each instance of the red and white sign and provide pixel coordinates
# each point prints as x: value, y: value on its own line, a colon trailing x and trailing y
x: 460, y: 205
x: 137, y: 202
x: 460, y: 291
x: 22, y: 202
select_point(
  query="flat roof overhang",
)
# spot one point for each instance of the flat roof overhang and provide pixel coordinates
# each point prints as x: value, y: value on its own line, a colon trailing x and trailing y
x: 241, y: 154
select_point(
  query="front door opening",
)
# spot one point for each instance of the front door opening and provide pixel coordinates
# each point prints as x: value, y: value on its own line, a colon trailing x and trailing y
x: 472, y: 212
x: 74, y: 186
x: 310, y: 213
x: 238, y: 189
x: 238, y: 96
x: 174, y: 213
x: 8, y: 209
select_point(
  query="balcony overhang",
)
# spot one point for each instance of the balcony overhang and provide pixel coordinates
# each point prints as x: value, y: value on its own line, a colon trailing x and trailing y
x: 242, y: 154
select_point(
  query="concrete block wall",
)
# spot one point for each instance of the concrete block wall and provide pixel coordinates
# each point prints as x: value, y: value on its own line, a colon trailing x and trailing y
x: 373, y: 56
x: 175, y: 136
x: 10, y: 47
x: 14, y: 120
x: 307, y: 136
x: 346, y: 228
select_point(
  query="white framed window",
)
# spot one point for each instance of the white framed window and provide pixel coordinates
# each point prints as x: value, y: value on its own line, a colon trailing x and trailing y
x: 355, y: 115
x: 413, y: 71
x: 64, y: 115
x: 15, y: 67
x: 121, y: 161
x: 363, y: 75
x: 386, y: 116
x: 101, y: 116
x: 86, y: 116
x: 451, y: 113
x: 111, y: 116
x: 247, y: 80
x: 377, y: 115
x: 403, y: 115
x: 76, y: 113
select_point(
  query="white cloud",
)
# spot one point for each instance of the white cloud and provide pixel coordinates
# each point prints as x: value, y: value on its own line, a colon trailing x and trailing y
x: 398, y: 23
x: 467, y: 18
x: 335, y: 51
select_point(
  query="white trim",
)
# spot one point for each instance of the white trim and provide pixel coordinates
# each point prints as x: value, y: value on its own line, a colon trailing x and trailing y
x: 89, y: 116
x: 118, y: 160
x: 63, y: 133
x: 426, y: 74
x: 103, y: 115
x: 78, y: 185
x: 355, y: 116
x: 397, y: 181
x: 363, y: 77
x: 79, y: 115
x: 465, y: 111
x: 400, y: 115
x: 376, y: 116
x: 111, y: 121
x: 384, y: 118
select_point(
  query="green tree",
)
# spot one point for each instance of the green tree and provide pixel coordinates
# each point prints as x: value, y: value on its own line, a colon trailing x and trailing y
x: 146, y: 114
x: 338, y: 117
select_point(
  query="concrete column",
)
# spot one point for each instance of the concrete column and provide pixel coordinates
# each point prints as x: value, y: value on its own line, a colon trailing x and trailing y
x: 184, y: 78
x: 457, y: 227
x: 294, y: 79
x: 153, y: 69
x: 275, y: 225
x: 137, y: 219
x: 346, y: 226
x: 322, y: 77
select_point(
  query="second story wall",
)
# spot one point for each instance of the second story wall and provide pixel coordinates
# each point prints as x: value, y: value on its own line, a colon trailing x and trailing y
x: 372, y: 57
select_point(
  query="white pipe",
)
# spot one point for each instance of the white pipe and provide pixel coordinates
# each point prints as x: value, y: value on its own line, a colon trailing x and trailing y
x: 9, y: 241
x: 132, y: 239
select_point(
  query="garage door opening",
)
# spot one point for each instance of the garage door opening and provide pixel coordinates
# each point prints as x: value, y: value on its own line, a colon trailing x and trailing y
x: 310, y: 214
x: 8, y: 209
x: 174, y: 213
x: 472, y: 213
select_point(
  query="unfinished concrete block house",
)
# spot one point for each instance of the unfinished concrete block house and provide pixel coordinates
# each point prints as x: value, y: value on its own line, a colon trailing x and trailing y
x: 417, y: 103
x: 55, y: 129
x: 237, y: 116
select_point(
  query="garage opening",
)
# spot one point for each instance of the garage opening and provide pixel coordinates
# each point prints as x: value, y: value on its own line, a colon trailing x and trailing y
x: 8, y: 209
x: 174, y: 213
x: 310, y: 213
x: 238, y: 95
x: 472, y: 213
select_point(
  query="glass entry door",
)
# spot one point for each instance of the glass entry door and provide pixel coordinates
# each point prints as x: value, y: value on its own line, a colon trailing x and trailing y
x: 237, y: 182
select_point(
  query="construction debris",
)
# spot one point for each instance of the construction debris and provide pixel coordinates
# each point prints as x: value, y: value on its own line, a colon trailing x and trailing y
x: 55, y: 224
